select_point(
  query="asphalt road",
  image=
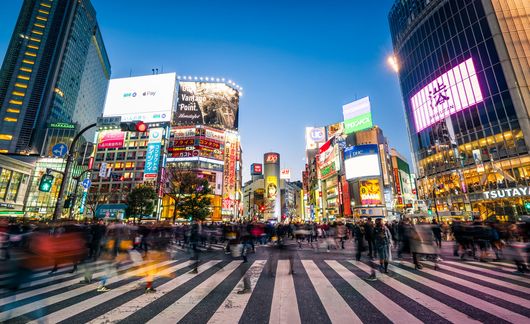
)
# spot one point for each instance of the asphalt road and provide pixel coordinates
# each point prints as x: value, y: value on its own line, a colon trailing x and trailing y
x: 326, y: 287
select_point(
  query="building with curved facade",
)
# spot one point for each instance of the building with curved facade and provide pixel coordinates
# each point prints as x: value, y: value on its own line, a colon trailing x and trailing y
x: 464, y: 72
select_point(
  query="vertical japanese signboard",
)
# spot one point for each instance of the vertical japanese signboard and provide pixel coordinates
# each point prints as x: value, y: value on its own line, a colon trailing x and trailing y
x: 152, y: 158
x: 229, y: 173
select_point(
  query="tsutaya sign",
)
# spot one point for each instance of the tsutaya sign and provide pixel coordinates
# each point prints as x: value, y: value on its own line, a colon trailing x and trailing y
x: 507, y: 193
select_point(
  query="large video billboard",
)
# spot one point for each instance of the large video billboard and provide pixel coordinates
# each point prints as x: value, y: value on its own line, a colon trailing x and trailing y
x: 370, y: 192
x: 361, y: 161
x: 357, y: 115
x: 207, y: 103
x: 453, y: 91
x: 148, y: 98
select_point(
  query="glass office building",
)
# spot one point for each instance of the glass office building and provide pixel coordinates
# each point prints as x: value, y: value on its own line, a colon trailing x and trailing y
x: 56, y: 69
x: 464, y: 69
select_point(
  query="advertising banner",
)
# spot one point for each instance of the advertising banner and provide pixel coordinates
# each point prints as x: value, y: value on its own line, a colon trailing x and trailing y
x: 357, y: 115
x: 314, y: 136
x: 111, y: 139
x: 370, y: 192
x: 205, y: 103
x: 335, y: 129
x: 271, y: 187
x: 453, y: 91
x: 271, y: 158
x: 361, y: 161
x: 285, y: 174
x: 152, y: 158
x: 147, y: 98
x: 229, y: 172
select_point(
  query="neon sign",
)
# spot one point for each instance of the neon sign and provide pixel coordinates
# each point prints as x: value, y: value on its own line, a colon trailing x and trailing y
x: 453, y: 91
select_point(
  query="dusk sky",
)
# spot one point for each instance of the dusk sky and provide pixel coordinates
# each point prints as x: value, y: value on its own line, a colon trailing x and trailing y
x: 298, y: 64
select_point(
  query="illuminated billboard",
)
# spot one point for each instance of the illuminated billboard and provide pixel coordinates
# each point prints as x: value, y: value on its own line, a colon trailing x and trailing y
x: 205, y: 103
x: 361, y: 161
x: 148, y: 98
x: 285, y: 174
x: 256, y: 169
x: 357, y: 115
x: 335, y: 129
x: 453, y: 91
x: 370, y: 192
x: 110, y: 139
x: 314, y: 136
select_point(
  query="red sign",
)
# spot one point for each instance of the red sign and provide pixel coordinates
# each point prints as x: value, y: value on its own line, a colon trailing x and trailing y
x: 184, y: 142
x: 257, y: 169
x: 209, y: 143
x: 271, y: 158
x: 114, y: 139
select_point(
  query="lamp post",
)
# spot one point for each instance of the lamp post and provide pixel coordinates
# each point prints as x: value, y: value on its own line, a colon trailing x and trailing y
x: 64, y: 183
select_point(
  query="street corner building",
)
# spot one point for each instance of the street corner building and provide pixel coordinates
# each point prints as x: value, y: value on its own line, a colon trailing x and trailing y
x: 464, y: 72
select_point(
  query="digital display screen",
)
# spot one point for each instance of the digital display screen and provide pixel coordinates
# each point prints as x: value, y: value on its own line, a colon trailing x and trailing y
x: 453, y: 91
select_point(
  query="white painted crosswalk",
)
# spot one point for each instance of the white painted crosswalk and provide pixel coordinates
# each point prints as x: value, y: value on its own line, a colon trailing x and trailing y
x: 462, y: 292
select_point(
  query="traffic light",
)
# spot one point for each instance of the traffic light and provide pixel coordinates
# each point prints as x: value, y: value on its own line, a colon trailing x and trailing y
x: 134, y: 126
x: 527, y: 205
x: 261, y: 208
x: 46, y: 182
x: 429, y: 212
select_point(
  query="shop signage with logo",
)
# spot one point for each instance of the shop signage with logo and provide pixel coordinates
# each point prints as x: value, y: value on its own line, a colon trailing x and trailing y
x: 507, y: 193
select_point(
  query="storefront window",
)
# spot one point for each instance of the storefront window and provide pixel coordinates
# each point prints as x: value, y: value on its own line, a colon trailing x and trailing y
x: 14, y: 185
x: 5, y: 178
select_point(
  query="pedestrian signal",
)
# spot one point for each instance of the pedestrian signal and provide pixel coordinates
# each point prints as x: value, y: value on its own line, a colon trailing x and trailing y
x: 46, y: 182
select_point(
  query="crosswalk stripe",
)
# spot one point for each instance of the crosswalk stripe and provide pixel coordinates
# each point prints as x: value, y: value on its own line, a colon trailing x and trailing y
x: 491, y: 272
x: 123, y: 311
x: 33, y: 306
x: 385, y: 305
x: 183, y: 306
x: 46, y: 289
x: 472, y: 285
x: 336, y: 307
x: 485, y: 306
x: 432, y: 304
x: 101, y: 298
x: 233, y: 306
x: 507, y: 265
x: 284, y: 308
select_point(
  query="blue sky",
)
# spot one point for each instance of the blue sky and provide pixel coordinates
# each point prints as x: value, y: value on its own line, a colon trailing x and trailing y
x: 298, y: 64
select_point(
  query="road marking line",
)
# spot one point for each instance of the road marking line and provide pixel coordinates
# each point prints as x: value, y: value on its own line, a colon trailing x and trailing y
x: 284, y: 308
x: 468, y: 284
x: 42, y: 290
x: 233, y: 306
x: 186, y: 303
x: 391, y: 310
x: 481, y: 304
x: 77, y: 308
x: 336, y: 307
x: 492, y: 272
x: 31, y: 307
x: 127, y: 309
x: 436, y: 306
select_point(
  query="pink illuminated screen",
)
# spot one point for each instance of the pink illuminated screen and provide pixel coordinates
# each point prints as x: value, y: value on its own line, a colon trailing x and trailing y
x: 453, y: 91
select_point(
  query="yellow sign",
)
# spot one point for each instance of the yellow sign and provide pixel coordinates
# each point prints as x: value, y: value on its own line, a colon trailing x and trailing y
x: 272, y: 187
x: 370, y: 192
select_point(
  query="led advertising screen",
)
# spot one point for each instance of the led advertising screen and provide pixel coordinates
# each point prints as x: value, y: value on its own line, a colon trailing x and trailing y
x: 205, y: 103
x: 314, y: 137
x: 109, y: 139
x: 147, y: 98
x: 357, y: 115
x: 370, y: 192
x: 361, y: 161
x: 453, y: 91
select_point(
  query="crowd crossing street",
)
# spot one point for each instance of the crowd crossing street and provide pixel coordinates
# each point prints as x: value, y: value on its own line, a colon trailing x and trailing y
x: 290, y: 284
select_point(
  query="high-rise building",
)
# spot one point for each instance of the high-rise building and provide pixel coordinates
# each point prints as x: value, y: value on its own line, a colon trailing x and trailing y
x: 464, y: 71
x: 56, y: 70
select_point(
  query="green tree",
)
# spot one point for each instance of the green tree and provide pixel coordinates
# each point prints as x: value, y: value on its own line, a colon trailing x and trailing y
x: 191, y: 194
x: 141, y: 201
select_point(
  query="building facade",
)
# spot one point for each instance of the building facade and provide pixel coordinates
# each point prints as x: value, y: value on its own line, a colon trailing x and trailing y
x: 464, y: 72
x: 56, y: 69
x: 15, y: 178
